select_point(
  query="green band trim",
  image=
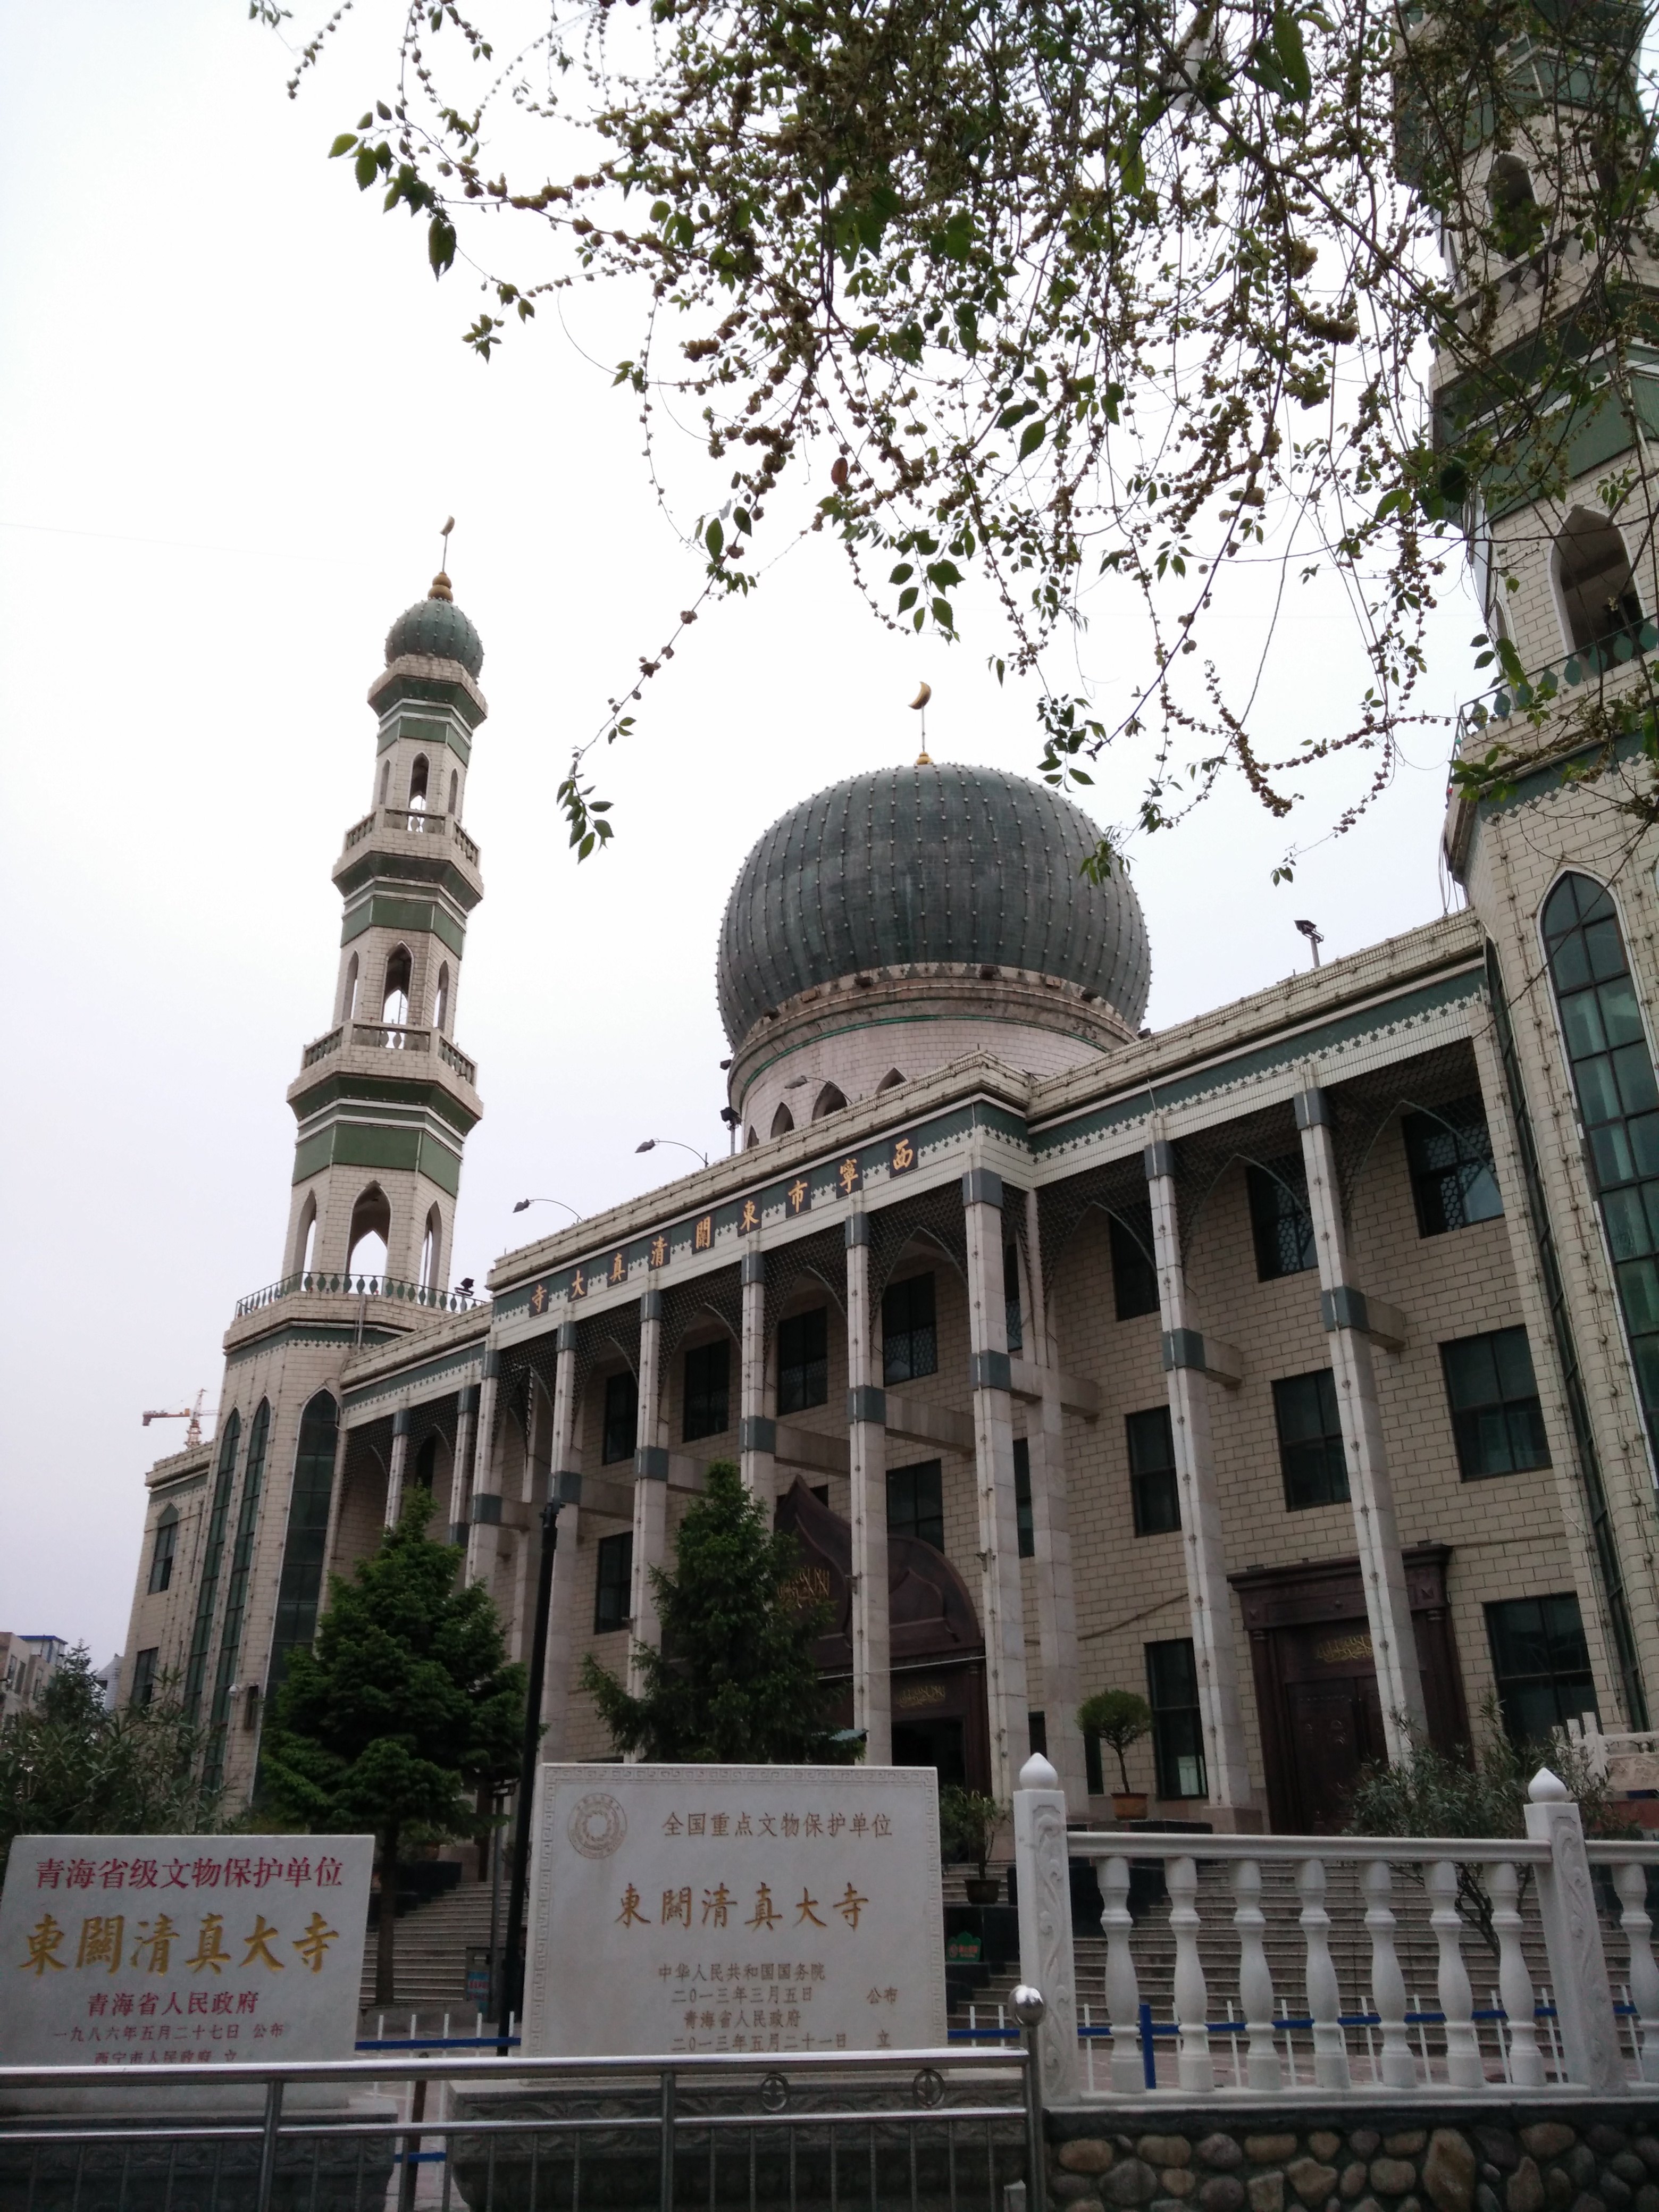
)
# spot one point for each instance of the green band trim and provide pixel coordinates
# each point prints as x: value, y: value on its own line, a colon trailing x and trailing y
x: 407, y: 916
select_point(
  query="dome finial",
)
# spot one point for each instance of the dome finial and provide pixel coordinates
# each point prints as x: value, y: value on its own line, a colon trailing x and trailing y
x: 918, y: 706
x: 441, y: 585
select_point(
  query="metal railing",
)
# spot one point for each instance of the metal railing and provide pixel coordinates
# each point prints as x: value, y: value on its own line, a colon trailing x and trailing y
x: 466, y: 1068
x: 413, y: 821
x: 1577, y: 2027
x: 325, y: 1047
x: 1611, y: 658
x: 925, y: 2130
x: 318, y: 1283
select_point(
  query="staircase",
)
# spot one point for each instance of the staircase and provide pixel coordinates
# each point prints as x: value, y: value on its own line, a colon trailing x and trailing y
x: 433, y: 1940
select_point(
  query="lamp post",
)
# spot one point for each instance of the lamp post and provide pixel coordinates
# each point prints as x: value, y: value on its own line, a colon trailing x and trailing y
x: 520, y: 1204
x: 1316, y: 939
x: 652, y: 1143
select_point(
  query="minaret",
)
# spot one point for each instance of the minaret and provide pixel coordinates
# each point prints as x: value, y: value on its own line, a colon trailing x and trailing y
x: 383, y: 1099
x: 1556, y: 863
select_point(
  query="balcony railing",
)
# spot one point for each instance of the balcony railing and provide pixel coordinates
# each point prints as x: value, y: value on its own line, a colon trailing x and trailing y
x: 315, y: 1284
x: 391, y: 1036
x: 413, y: 821
x: 1505, y: 700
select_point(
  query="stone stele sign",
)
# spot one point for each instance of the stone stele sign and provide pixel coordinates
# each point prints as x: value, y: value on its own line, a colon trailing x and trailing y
x: 735, y: 1908
x: 181, y: 1950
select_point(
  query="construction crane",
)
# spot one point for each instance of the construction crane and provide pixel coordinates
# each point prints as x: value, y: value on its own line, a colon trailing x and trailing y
x: 190, y: 1413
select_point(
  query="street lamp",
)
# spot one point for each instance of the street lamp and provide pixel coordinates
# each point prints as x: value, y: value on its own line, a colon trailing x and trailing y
x: 652, y: 1143
x: 520, y: 1205
x: 1310, y: 930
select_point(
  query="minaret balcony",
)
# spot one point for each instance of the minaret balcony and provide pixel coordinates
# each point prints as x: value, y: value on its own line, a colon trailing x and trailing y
x: 406, y: 842
x: 1615, y: 670
x: 426, y: 1297
x: 357, y: 1037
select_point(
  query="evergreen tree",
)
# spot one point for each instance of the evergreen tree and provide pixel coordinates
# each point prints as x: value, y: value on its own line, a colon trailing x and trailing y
x: 404, y: 1706
x: 734, y: 1680
x: 69, y: 1766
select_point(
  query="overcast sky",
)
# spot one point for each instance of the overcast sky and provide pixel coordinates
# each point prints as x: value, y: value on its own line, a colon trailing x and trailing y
x: 234, y: 412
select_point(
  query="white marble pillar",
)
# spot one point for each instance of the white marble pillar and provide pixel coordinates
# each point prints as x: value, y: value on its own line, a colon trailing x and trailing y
x: 484, y: 1510
x: 564, y: 1483
x: 866, y: 1442
x: 756, y: 1431
x: 394, y: 1480
x: 1208, y: 1597
x: 1051, y: 1540
x: 650, y: 1489
x: 1002, y: 1605
x: 466, y: 1416
x: 1382, y: 1570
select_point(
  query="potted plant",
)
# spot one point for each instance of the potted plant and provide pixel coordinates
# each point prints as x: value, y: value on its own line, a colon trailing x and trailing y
x: 968, y: 1824
x: 1119, y: 1717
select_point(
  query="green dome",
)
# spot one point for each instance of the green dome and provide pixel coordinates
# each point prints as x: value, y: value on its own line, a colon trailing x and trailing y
x: 436, y: 627
x: 967, y: 867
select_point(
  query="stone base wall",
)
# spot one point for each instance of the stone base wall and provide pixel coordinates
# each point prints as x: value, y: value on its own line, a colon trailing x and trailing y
x: 1593, y: 2155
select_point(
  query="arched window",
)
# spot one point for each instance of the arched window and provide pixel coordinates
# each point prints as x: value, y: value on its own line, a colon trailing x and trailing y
x: 301, y: 1583
x: 166, y: 1547
x: 394, y: 999
x: 890, y: 1081
x: 782, y: 1122
x: 212, y: 1560
x: 349, y: 993
x: 454, y: 788
x: 305, y: 1238
x: 385, y: 779
x: 371, y: 1234
x: 417, y: 780
x: 829, y: 1101
x: 426, y: 1465
x: 1617, y: 1102
x: 1593, y: 580
x: 1516, y: 216
x: 441, y: 1004
x: 431, y: 1251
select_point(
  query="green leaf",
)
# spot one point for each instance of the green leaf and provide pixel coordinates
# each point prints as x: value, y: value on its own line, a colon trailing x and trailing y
x: 715, y: 538
x: 1032, y: 438
x: 343, y: 144
x: 1291, y: 55
x: 364, y: 168
x: 441, y: 244
x: 902, y: 573
x: 907, y: 599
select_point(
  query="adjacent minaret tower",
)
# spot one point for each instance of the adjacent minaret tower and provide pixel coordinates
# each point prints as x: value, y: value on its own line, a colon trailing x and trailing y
x: 385, y: 1100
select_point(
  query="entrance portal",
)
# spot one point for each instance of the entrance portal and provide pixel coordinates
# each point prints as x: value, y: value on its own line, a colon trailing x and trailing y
x: 1315, y: 1680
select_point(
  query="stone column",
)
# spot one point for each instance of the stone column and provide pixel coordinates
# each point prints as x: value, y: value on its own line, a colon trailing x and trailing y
x: 1051, y: 1539
x: 394, y: 1480
x: 465, y: 1422
x: 1208, y: 1598
x: 1001, y: 1601
x: 758, y: 1435
x: 1388, y: 1608
x: 565, y: 1485
x: 866, y: 1445
x: 485, y: 1509
x: 650, y: 1488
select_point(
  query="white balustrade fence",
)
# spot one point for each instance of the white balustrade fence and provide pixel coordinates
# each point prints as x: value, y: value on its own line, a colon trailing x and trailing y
x: 1573, y: 2030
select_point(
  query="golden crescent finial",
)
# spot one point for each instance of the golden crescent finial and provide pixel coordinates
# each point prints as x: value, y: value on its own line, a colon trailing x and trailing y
x: 922, y: 696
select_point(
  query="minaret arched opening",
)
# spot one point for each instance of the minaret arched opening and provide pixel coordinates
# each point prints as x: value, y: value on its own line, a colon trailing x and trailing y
x: 418, y: 776
x: 454, y: 789
x: 829, y: 1100
x: 890, y: 1081
x: 349, y: 993
x: 305, y: 1236
x: 371, y: 1233
x: 1593, y: 583
x: 432, y: 1250
x: 385, y: 779
x: 1516, y: 216
x: 782, y: 1123
x: 440, y: 1003
x: 394, y: 999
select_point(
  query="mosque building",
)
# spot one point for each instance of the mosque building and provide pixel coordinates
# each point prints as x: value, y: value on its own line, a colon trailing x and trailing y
x: 1296, y: 1367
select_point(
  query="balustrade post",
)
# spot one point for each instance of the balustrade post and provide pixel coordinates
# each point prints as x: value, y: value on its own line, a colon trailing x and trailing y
x: 1515, y: 1989
x: 1122, y: 1985
x: 1196, y: 2069
x: 1573, y: 1935
x: 1255, y: 1980
x: 1630, y: 1881
x: 1387, y: 1982
x: 1324, y: 2001
x: 1046, y: 1956
x: 1463, y: 2067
